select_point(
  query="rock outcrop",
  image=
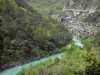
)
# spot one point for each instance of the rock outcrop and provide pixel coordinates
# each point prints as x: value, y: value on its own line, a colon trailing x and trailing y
x: 87, y: 15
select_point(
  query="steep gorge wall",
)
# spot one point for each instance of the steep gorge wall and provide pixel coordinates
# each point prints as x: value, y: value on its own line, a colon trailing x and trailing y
x: 87, y: 13
x: 25, y: 35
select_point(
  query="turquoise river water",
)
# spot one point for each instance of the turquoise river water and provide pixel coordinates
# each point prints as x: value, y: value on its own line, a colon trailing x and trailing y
x: 14, y: 70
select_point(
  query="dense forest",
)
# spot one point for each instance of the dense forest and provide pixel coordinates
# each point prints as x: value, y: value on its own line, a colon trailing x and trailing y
x: 25, y: 35
x: 74, y: 61
x: 34, y: 29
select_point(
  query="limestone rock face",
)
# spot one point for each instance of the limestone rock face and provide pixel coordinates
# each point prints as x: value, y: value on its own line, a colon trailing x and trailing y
x: 82, y: 4
x: 87, y: 15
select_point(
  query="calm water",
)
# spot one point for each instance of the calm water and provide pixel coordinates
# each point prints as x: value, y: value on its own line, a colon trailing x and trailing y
x: 78, y: 42
x: 14, y: 70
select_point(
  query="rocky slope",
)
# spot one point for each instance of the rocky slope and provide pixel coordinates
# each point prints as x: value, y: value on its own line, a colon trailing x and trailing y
x: 86, y: 13
x: 87, y: 16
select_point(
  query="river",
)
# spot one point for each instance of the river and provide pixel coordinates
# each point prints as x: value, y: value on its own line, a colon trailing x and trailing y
x: 14, y: 70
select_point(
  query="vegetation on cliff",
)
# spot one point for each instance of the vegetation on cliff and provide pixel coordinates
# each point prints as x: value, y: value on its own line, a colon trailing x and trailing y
x: 47, y: 7
x: 25, y: 35
x: 75, y: 61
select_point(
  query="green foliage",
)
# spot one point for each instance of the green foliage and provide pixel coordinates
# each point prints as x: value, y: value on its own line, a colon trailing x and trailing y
x: 25, y: 35
x: 47, y: 7
x: 40, y: 31
x: 24, y: 9
x: 97, y: 39
x: 37, y: 68
x: 14, y: 5
x: 27, y: 17
x: 3, y: 5
x: 63, y: 49
x: 13, y: 42
x: 93, y: 66
x: 87, y: 44
x: 93, y: 69
x: 72, y: 59
x: 75, y: 61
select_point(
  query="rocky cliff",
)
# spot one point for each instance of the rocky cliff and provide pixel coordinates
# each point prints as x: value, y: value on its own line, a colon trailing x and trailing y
x: 87, y: 14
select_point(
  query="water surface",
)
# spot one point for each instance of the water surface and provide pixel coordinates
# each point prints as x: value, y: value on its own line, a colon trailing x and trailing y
x: 14, y: 70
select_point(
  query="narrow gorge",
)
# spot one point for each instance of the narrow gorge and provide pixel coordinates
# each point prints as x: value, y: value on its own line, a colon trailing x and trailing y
x: 49, y: 37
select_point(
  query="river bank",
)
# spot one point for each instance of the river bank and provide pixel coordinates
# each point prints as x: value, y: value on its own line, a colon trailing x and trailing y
x: 22, y: 62
x: 14, y: 70
x: 19, y: 67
